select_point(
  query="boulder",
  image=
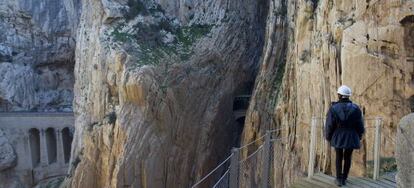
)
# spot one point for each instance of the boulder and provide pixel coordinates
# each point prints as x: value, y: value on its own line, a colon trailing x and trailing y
x: 8, y: 157
x: 405, y: 152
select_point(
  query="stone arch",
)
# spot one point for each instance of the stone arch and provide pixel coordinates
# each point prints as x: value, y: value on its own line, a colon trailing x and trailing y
x: 67, y: 137
x: 34, y: 141
x: 51, y: 145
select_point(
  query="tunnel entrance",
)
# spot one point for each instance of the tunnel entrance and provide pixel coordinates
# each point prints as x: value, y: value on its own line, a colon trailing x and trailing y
x: 51, y: 145
x: 240, y: 105
x: 34, y: 141
x: 67, y: 137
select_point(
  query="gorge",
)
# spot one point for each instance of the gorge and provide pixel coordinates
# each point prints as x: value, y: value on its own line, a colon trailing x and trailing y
x: 161, y: 90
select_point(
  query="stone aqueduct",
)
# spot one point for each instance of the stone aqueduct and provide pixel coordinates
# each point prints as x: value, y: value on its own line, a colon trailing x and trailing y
x: 42, y: 142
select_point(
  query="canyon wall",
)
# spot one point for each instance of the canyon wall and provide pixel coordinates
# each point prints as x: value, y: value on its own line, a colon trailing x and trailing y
x: 156, y: 79
x: 37, y: 45
x: 313, y: 47
x: 154, y: 90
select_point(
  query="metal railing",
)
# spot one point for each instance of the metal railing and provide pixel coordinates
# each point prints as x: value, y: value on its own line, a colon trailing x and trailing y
x: 317, y: 138
x: 254, y: 170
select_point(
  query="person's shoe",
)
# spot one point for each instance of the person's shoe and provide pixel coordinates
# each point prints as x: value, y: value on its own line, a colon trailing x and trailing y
x: 338, y: 182
x: 343, y: 181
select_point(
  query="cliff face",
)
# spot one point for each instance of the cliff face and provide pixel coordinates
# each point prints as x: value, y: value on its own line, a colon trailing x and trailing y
x: 37, y: 42
x: 155, y: 83
x: 156, y: 79
x: 311, y: 48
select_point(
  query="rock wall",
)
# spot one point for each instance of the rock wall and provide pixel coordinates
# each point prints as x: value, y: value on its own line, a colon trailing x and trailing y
x: 155, y: 83
x: 8, y: 160
x: 37, y: 45
x: 405, y: 152
x: 8, y: 156
x: 311, y: 48
x: 156, y: 79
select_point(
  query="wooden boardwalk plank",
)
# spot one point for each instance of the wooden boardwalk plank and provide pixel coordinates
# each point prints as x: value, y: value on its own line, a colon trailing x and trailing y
x: 392, y: 184
x: 323, y: 184
x: 361, y: 183
x: 318, y: 183
x: 378, y: 183
x: 324, y: 180
x: 392, y: 179
x: 321, y: 180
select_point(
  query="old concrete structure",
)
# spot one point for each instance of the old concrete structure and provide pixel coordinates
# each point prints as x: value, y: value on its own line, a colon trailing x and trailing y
x: 42, y: 142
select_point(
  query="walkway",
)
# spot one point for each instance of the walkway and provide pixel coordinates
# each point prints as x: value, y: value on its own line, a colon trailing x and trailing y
x: 320, y: 180
x: 240, y: 170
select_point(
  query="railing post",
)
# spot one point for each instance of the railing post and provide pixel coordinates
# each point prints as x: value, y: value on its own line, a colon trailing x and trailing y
x: 266, y: 160
x: 311, y: 165
x: 234, y: 168
x: 377, y: 148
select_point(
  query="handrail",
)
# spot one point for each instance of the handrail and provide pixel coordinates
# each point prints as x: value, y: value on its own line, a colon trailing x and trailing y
x: 377, y: 145
x: 241, y: 147
x: 211, y: 172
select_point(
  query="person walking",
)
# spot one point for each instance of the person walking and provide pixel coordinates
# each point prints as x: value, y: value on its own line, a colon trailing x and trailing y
x: 344, y: 129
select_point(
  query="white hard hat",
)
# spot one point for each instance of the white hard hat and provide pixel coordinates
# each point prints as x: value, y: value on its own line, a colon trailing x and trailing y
x: 344, y: 90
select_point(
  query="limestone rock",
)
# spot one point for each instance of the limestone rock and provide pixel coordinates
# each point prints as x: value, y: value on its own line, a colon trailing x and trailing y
x: 37, y: 46
x: 312, y: 47
x: 169, y: 74
x: 8, y: 157
x: 405, y: 152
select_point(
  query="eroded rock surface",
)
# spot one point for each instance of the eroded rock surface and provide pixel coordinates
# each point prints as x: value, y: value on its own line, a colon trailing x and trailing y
x: 312, y: 47
x: 155, y: 83
x: 8, y: 160
x: 37, y: 43
x: 405, y: 152
x: 8, y: 157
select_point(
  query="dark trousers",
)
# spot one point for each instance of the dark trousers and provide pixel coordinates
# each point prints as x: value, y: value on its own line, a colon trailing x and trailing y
x: 343, y: 155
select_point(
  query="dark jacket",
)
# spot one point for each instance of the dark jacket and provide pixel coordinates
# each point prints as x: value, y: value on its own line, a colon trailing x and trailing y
x: 344, y: 125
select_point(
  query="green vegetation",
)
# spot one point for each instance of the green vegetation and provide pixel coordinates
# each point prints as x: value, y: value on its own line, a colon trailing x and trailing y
x: 158, y: 8
x: 277, y: 82
x: 148, y: 38
x: 154, y: 50
x: 135, y: 7
x: 189, y: 34
x: 387, y: 164
x: 120, y: 36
